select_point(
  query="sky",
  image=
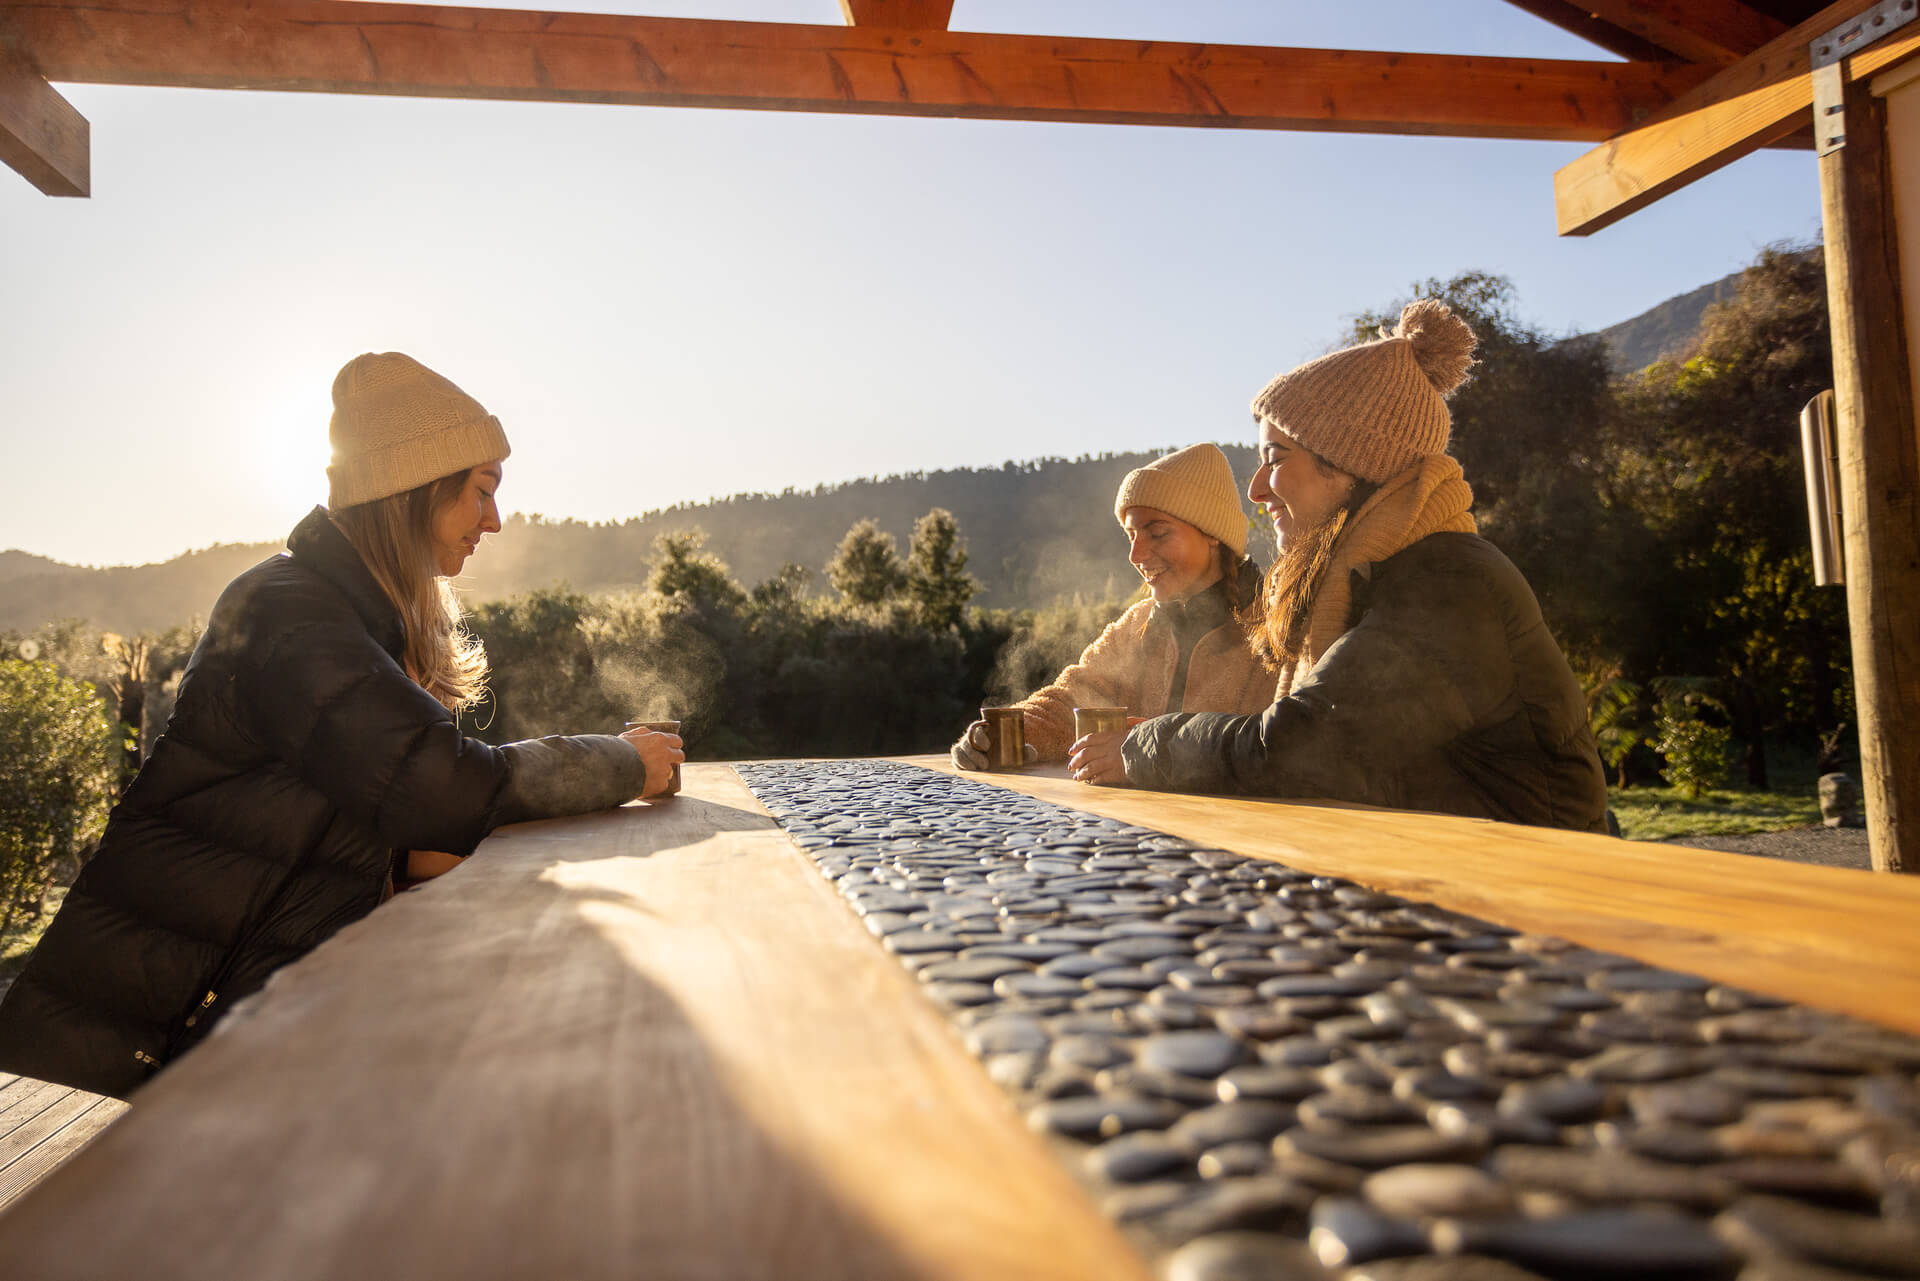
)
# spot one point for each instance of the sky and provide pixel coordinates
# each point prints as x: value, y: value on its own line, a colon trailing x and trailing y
x: 670, y: 305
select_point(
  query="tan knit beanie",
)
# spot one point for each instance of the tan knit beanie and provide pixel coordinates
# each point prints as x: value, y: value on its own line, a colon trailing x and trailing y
x: 398, y: 425
x: 1195, y: 484
x: 1372, y: 410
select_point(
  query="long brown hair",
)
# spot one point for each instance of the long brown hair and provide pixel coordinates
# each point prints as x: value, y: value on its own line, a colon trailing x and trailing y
x: 1276, y: 622
x: 1233, y: 569
x: 394, y: 536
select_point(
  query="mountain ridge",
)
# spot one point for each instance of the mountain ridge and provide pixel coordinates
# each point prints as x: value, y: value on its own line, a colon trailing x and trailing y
x: 1029, y: 539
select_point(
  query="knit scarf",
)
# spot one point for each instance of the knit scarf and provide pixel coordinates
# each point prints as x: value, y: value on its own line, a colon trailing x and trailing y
x: 1430, y: 497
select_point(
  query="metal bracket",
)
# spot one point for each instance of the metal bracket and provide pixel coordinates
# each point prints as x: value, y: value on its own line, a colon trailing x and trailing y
x: 1826, y: 55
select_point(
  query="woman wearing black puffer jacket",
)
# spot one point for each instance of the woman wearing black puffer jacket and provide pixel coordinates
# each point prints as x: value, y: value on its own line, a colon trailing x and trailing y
x: 1415, y: 670
x: 313, y: 756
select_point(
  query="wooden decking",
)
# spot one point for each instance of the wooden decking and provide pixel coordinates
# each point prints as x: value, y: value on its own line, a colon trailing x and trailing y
x: 41, y: 1126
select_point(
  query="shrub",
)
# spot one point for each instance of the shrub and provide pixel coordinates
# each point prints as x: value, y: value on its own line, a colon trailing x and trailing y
x: 1697, y: 753
x: 57, y: 755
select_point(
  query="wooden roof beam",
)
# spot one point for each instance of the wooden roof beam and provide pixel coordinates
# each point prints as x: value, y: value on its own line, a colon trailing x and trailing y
x: 42, y: 136
x: 1715, y: 32
x: 909, y: 15
x: 1583, y: 22
x: 1762, y: 98
x: 333, y: 46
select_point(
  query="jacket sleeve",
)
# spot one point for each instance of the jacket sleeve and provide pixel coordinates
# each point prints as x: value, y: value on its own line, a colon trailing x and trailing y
x: 577, y: 774
x: 330, y: 702
x: 1421, y: 666
x: 1106, y: 675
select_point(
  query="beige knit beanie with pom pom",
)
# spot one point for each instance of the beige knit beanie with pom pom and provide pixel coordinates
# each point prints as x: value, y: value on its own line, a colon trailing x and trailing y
x: 1372, y: 410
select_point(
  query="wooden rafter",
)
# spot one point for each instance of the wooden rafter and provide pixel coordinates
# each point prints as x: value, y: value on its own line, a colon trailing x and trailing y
x: 1582, y: 22
x: 42, y: 136
x: 1715, y: 32
x: 1763, y: 97
x: 338, y: 47
x: 910, y: 15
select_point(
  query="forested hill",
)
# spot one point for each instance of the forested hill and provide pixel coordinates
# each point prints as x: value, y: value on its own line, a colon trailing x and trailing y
x: 1670, y: 327
x: 1036, y: 532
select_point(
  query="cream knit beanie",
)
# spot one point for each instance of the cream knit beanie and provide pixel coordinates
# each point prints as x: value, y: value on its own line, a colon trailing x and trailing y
x: 398, y: 425
x: 1372, y: 410
x: 1195, y: 484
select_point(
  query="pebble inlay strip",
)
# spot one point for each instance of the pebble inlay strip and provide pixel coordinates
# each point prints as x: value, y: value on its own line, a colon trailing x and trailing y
x: 1238, y: 1057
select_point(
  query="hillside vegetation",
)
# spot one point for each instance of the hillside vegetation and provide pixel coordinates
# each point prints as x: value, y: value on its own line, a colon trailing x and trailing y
x: 1037, y: 532
x: 1658, y: 516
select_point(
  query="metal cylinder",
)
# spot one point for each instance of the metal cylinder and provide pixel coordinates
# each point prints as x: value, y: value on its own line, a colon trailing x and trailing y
x: 1098, y: 720
x: 1819, y: 457
x: 1006, y: 737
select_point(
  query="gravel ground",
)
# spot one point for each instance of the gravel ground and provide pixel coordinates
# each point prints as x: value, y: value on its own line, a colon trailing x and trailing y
x: 1826, y: 846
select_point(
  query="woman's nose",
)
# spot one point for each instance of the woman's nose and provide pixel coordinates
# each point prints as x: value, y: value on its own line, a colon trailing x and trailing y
x: 1136, y: 548
x: 490, y: 519
x: 1257, y: 490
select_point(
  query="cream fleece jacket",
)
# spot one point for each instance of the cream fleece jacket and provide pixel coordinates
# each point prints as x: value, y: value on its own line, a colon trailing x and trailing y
x: 1131, y: 665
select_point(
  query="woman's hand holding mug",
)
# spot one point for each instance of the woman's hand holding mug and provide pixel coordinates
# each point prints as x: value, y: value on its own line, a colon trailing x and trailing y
x: 663, y: 754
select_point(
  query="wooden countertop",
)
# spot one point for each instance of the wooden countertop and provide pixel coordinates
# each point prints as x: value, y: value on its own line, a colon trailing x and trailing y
x: 646, y: 1043
x: 1832, y: 937
x: 654, y: 1042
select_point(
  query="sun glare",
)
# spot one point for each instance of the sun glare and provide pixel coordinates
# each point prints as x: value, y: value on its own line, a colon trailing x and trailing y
x: 289, y: 457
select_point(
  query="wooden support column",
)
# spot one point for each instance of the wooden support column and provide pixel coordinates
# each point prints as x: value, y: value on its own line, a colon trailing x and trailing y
x: 42, y: 137
x: 1879, y: 474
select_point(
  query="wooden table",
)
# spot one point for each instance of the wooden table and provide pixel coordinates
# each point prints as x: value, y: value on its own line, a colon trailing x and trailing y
x: 655, y: 1043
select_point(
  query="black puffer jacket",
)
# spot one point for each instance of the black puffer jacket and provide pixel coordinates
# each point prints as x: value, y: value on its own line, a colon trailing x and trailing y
x: 299, y: 759
x: 1445, y: 693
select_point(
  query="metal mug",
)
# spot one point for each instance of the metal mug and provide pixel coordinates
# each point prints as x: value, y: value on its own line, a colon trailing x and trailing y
x: 1006, y: 737
x: 1098, y: 720
x: 662, y: 727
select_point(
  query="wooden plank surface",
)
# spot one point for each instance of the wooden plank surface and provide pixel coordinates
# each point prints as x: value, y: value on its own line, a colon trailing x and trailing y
x: 43, y: 138
x: 38, y: 1147
x: 1760, y: 99
x: 646, y: 1043
x: 26, y: 1099
x: 1832, y: 937
x: 333, y: 46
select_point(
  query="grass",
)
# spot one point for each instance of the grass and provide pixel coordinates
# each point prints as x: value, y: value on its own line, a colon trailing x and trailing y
x: 1657, y: 813
x: 16, y: 943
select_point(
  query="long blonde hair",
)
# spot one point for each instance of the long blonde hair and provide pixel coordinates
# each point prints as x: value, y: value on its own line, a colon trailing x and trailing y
x: 394, y: 536
x: 1276, y: 622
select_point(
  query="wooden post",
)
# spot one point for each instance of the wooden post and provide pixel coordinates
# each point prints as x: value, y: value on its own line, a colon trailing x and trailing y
x: 1879, y: 474
x: 42, y: 137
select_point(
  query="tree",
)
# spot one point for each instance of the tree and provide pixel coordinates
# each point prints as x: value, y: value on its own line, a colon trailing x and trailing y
x: 57, y: 756
x: 682, y: 569
x: 785, y: 590
x: 937, y: 578
x: 1619, y: 728
x: 540, y: 668
x: 866, y: 567
x: 1706, y: 457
